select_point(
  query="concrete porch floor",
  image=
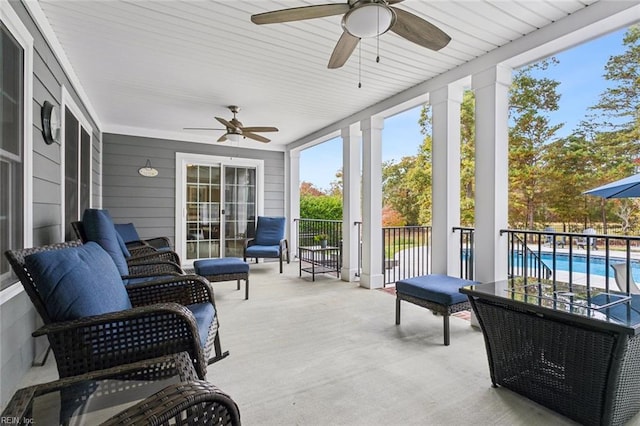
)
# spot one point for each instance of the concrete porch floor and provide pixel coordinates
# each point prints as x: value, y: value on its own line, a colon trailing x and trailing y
x: 328, y: 352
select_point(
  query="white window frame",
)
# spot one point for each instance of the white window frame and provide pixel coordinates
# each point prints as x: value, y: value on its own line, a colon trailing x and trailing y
x: 68, y: 102
x: 25, y: 40
x: 182, y: 160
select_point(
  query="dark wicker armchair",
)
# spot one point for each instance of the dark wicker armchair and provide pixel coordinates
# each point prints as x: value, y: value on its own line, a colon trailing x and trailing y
x: 159, y: 322
x: 139, y: 254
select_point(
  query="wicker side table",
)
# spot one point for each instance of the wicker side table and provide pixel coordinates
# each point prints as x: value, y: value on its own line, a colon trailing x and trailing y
x: 98, y: 396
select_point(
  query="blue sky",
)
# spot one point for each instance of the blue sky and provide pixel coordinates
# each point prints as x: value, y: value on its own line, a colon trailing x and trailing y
x: 580, y: 75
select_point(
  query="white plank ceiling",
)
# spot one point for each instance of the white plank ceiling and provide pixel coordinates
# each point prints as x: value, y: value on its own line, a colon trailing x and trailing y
x: 159, y: 66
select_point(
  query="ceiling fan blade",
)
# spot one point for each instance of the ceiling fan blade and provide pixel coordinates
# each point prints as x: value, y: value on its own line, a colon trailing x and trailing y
x: 394, y: 1
x: 259, y: 129
x: 222, y: 138
x: 225, y: 123
x: 200, y: 128
x: 419, y: 31
x: 344, y: 48
x: 300, y: 13
x: 255, y: 137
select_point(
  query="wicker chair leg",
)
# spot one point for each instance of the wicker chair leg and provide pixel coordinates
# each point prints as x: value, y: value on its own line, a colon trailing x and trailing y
x: 246, y: 288
x: 238, y: 284
x: 218, y: 350
x: 445, y: 319
x: 281, y: 262
x: 397, y: 310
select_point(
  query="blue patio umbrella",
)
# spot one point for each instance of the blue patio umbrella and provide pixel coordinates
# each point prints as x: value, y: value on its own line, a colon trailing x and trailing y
x: 623, y: 188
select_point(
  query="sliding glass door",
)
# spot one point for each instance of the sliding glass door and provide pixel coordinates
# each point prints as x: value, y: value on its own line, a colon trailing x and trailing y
x: 219, y: 202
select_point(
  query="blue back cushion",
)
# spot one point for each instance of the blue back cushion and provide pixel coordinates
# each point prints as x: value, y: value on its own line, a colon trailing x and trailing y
x: 99, y: 228
x: 77, y: 282
x: 270, y: 230
x: 128, y: 232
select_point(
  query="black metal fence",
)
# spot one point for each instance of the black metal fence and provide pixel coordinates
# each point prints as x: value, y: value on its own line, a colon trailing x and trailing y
x: 406, y: 252
x: 311, y: 231
x: 467, y: 261
x: 584, y: 258
x: 405, y: 249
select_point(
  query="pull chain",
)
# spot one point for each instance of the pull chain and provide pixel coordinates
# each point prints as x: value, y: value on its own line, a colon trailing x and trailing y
x: 360, y: 64
x: 378, y: 38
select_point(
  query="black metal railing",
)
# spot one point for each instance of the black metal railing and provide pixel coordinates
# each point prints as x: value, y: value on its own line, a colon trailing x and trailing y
x: 405, y: 252
x: 525, y: 262
x: 310, y: 231
x: 580, y: 258
x: 467, y: 258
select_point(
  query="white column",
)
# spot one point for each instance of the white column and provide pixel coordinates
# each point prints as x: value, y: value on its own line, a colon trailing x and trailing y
x: 372, y: 202
x: 492, y: 162
x: 292, y: 159
x: 445, y: 247
x: 350, y: 201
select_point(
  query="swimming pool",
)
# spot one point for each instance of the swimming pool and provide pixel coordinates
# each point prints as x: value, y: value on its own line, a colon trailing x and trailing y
x: 598, y: 265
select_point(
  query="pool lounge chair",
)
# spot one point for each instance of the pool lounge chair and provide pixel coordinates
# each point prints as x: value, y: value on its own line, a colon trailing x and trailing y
x: 620, y: 272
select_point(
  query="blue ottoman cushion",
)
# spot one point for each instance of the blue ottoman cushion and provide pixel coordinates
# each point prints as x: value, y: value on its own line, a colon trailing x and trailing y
x: 204, y: 314
x: 225, y: 265
x: 441, y: 289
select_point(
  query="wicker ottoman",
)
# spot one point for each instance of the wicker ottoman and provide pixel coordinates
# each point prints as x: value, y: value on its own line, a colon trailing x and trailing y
x: 224, y: 269
x: 439, y: 293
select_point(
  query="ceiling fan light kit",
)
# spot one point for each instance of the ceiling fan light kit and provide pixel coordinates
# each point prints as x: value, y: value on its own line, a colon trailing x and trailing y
x: 235, y: 130
x: 369, y: 20
x: 233, y: 137
x: 362, y: 19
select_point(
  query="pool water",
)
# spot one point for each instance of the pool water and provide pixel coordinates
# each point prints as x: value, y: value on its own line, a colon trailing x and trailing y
x: 598, y: 265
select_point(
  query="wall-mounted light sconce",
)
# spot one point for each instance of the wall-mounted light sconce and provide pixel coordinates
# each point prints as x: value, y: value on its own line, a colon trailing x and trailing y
x: 147, y: 170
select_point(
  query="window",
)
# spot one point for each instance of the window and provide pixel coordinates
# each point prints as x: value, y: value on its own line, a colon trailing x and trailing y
x: 12, y: 138
x: 77, y: 170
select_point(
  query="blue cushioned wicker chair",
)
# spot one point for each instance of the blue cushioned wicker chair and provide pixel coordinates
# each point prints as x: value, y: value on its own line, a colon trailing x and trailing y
x: 269, y: 241
x: 93, y: 321
x: 132, y: 240
x: 97, y: 225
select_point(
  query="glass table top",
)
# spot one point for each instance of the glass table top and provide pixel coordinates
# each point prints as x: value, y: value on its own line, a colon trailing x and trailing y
x: 577, y: 300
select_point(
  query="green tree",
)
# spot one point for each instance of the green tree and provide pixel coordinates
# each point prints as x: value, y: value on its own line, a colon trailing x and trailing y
x: 396, y: 191
x: 569, y: 164
x: 467, y: 158
x: 529, y: 136
x: 615, y: 126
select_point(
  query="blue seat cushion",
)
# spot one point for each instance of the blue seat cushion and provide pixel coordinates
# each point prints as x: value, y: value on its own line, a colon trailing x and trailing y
x: 127, y: 231
x: 204, y: 314
x: 98, y: 226
x: 269, y: 230
x: 225, y: 265
x: 77, y: 282
x: 263, y: 251
x: 440, y: 289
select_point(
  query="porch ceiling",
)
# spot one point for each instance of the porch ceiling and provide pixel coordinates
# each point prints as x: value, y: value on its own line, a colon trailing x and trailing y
x: 154, y: 67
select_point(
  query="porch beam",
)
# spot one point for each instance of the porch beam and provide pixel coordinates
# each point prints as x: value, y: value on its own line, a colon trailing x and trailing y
x: 372, y: 202
x: 350, y: 201
x: 492, y: 156
x: 445, y: 103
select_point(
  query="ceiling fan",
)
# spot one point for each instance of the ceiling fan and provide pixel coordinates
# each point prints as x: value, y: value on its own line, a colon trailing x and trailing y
x: 362, y: 19
x: 235, y: 129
